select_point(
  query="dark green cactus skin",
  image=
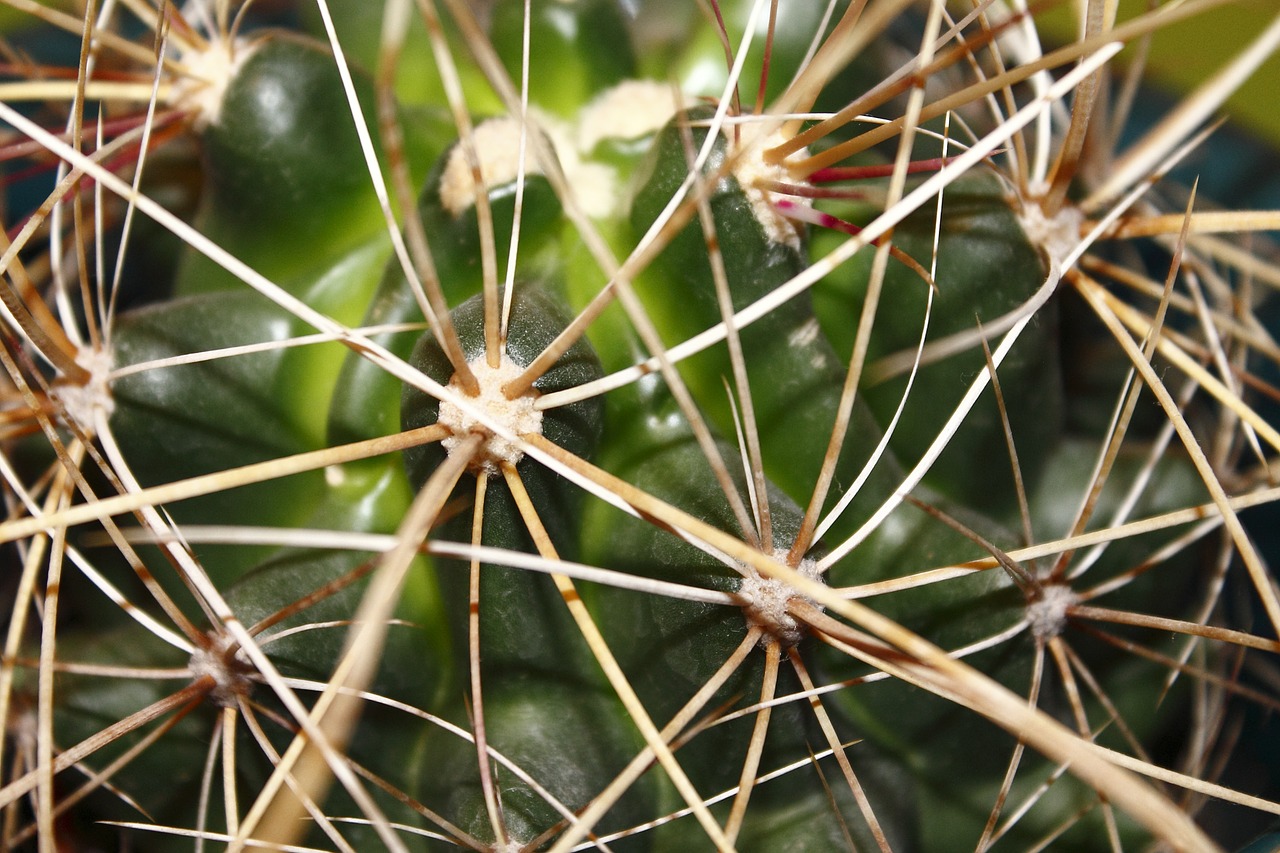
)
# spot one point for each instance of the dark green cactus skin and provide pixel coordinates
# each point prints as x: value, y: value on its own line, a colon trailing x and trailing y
x: 366, y: 400
x: 284, y: 169
x: 288, y: 191
x: 166, y: 435
x: 541, y: 686
x: 272, y: 152
x: 670, y: 648
x: 795, y: 376
x: 986, y: 268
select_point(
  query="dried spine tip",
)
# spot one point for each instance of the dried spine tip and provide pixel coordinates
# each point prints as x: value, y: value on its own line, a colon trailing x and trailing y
x: 767, y: 599
x: 518, y: 415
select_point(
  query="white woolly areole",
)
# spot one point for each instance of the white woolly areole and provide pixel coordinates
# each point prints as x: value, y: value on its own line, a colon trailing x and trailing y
x: 80, y: 403
x: 1047, y: 615
x: 497, y: 146
x: 1058, y: 235
x: 229, y: 671
x: 207, y: 73
x: 754, y: 175
x: 629, y: 110
x: 518, y: 416
x: 767, y: 600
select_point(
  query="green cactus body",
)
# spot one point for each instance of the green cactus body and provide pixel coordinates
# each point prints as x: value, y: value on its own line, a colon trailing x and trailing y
x: 678, y: 616
x: 284, y: 168
x: 791, y: 360
x: 986, y: 269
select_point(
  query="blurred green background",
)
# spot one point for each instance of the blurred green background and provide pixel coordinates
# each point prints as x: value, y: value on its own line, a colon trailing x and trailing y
x: 1186, y: 53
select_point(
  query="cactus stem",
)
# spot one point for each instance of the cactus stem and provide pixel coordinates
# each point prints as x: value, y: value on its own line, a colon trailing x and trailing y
x: 617, y: 678
x: 682, y: 719
x: 1042, y: 111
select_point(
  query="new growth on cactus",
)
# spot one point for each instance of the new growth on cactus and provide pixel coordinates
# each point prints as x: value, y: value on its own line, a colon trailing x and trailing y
x: 635, y: 425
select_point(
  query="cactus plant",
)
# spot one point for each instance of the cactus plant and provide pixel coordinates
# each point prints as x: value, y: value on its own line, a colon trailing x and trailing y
x: 631, y: 425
